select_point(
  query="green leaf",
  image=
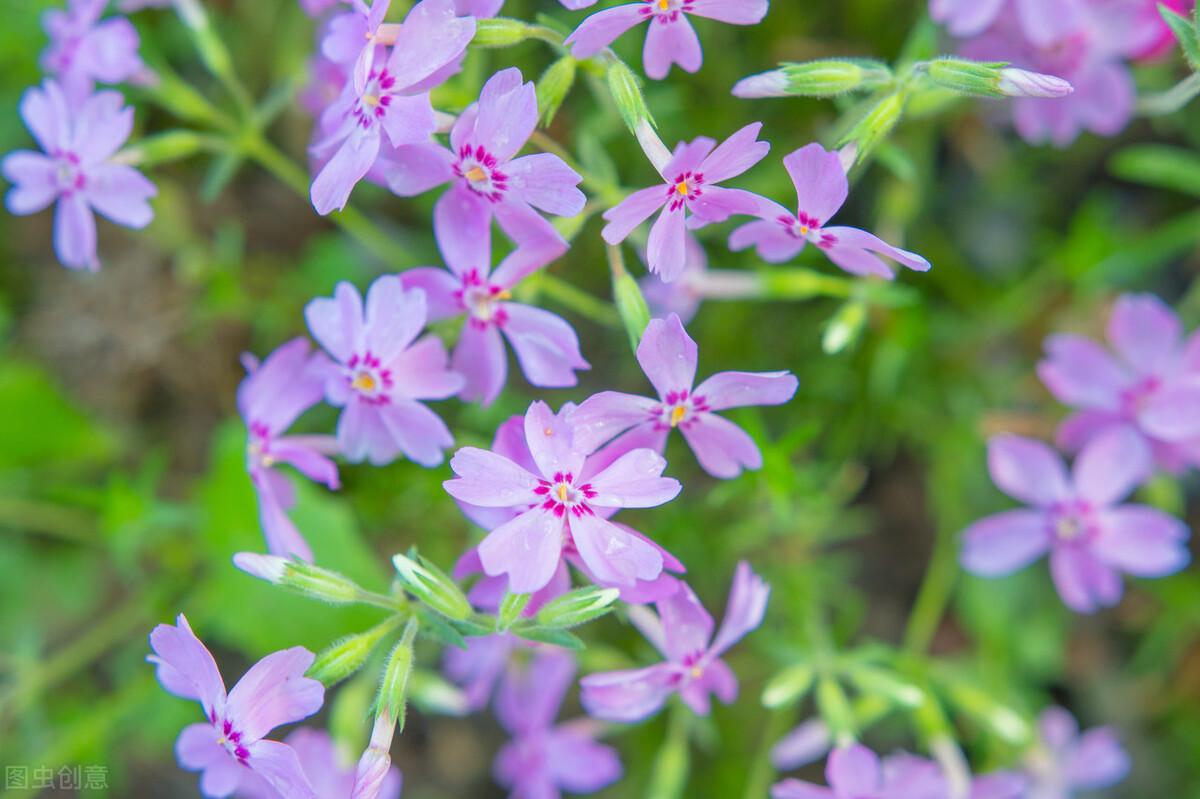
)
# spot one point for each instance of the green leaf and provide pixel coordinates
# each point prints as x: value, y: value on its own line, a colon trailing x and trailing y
x: 1159, y: 165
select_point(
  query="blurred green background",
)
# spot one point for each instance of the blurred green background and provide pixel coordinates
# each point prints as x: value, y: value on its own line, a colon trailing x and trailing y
x: 122, y: 484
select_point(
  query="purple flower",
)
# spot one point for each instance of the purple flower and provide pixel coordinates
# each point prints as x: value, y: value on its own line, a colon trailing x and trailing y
x: 668, y: 356
x: 356, y: 37
x: 75, y: 170
x: 546, y: 345
x: 855, y: 772
x: 489, y: 591
x: 542, y: 759
x: 1151, y: 383
x: 671, y: 38
x: 1071, y: 762
x: 393, y: 100
x: 315, y: 8
x: 84, y: 51
x: 328, y: 772
x: 228, y: 747
x: 690, y: 184
x: 1089, y: 59
x: 485, y: 179
x: 682, y: 632
x: 381, y: 375
x: 821, y: 187
x: 270, y: 398
x: 1041, y: 22
x: 1091, y: 539
x: 563, y: 507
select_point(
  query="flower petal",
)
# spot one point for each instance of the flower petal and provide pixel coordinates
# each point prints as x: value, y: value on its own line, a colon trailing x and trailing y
x: 795, y: 789
x: 1005, y: 542
x: 431, y: 37
x: 1142, y: 541
x: 669, y: 43
x: 820, y: 181
x: 490, y: 480
x: 601, y: 417
x: 394, y: 317
x: 480, y: 358
x: 632, y: 211
x: 419, y: 432
x: 274, y: 692
x: 545, y: 181
x: 507, y: 116
x: 614, y: 556
x: 1027, y: 470
x: 529, y: 699
x: 580, y: 764
x: 634, y: 481
x: 1097, y: 761
x: 770, y: 240
x: 1111, y: 466
x: 439, y: 287
x: 687, y: 626
x: 353, y: 160
x: 185, y: 666
x: 337, y: 323
x: 75, y: 233
x: 280, y: 766
x: 854, y: 770
x: 736, y: 154
x: 546, y: 345
x: 1081, y: 373
x: 1145, y: 332
x: 120, y: 193
x: 722, y: 448
x: 854, y: 238
x: 745, y: 610
x: 461, y: 223
x: 603, y: 28
x: 35, y: 182
x: 668, y: 355
x: 1172, y: 414
x: 45, y: 112
x: 1084, y: 583
x: 627, y: 695
x: 549, y: 437
x: 740, y: 389
x: 666, y: 251
x: 526, y: 550
x: 413, y: 169
x: 732, y: 12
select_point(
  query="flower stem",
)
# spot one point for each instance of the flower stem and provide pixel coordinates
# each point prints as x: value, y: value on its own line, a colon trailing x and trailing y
x: 934, y: 595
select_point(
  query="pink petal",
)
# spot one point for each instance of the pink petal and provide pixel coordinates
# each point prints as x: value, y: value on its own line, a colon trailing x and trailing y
x: 414, y: 169
x: 626, y: 695
x: 671, y: 43
x: 1105, y: 97
x: 353, y: 159
x: 803, y: 745
x: 75, y: 233
x: 1046, y: 24
x: 545, y: 181
x: 854, y: 770
x: 120, y: 193
x: 526, y: 549
x: 46, y: 115
x: 717, y: 680
x: 614, y: 556
x: 861, y: 239
x: 634, y: 481
x: 820, y: 181
x: 1082, y: 426
x: 280, y: 766
x: 736, y: 154
x: 687, y: 157
x: 461, y: 223
x: 529, y: 699
x: 858, y: 261
x: 579, y: 764
x: 102, y: 125
x: 732, y: 12
x: 1027, y: 470
x: 197, y: 749
x: 1111, y: 466
x: 337, y: 323
x: 421, y: 371
x: 480, y: 358
x: 1145, y: 332
x: 307, y: 460
x: 394, y: 317
x: 606, y: 415
x: 717, y: 204
x: 549, y: 437
x: 1142, y: 541
x: 362, y: 435
x: 722, y: 447
x: 1171, y: 414
x: 1057, y: 727
x: 740, y: 389
x: 667, y: 354
x: 281, y: 388
x: 666, y: 251
x: 1081, y: 373
x: 185, y: 666
x: 274, y: 692
x: 546, y: 345
x: 631, y: 212
x: 275, y: 496
x: 965, y: 17
x: 770, y: 239
x: 603, y: 28
x: 1084, y: 583
x: 687, y: 626
x: 745, y: 610
x: 795, y: 789
x: 439, y: 287
x: 1005, y: 542
x: 506, y: 118
x: 419, y: 432
x: 431, y: 37
x: 35, y: 182
x: 532, y: 253
x: 409, y: 119
x: 1097, y: 761
x: 490, y: 480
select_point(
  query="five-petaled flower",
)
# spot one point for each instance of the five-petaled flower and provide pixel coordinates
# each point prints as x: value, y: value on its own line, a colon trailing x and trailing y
x: 1091, y: 539
x: 671, y: 39
x: 542, y: 758
x: 229, y: 747
x: 485, y: 179
x: 271, y: 397
x: 668, y: 356
x: 691, y: 177
x: 821, y: 187
x: 381, y: 375
x: 393, y: 100
x: 75, y: 169
x: 563, y: 506
x: 1068, y: 762
x: 1150, y: 384
x: 83, y: 50
x: 545, y: 344
x: 683, y: 633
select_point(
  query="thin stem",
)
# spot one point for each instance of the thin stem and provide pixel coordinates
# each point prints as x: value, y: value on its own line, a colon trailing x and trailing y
x: 1172, y: 99
x: 579, y: 301
x: 934, y: 595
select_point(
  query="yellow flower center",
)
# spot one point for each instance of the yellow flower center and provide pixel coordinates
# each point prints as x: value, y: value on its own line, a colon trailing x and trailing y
x: 476, y: 174
x: 363, y: 382
x: 682, y: 188
x: 677, y: 414
x: 697, y: 672
x: 562, y: 492
x: 663, y: 5
x: 371, y: 100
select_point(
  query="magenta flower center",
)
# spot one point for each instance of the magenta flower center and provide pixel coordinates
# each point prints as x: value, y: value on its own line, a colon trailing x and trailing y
x: 258, y: 448
x: 483, y: 301
x: 480, y: 170
x: 1134, y: 399
x: 69, y: 177
x: 806, y: 228
x: 368, y: 379
x: 677, y: 409
x: 373, y: 104
x: 687, y: 186
x: 230, y: 739
x: 1072, y: 522
x: 666, y: 11
x: 561, y: 495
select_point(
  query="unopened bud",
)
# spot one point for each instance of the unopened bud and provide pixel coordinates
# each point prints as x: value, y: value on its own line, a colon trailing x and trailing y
x: 433, y: 587
x: 876, y: 124
x: 346, y: 655
x: 393, y: 688
x: 788, y: 686
x: 876, y: 681
x: 823, y: 78
x: 764, y: 84
x: 626, y: 92
x: 844, y: 328
x: 303, y: 578
x: 981, y: 79
x: 373, y: 768
x: 162, y: 148
x: 1022, y: 83
x: 835, y: 710
x: 553, y: 87
x: 510, y: 610
x: 577, y: 607
x: 500, y: 32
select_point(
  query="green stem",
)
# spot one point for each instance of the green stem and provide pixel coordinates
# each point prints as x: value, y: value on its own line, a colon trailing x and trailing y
x: 934, y: 595
x: 1172, y: 99
x: 579, y: 301
x: 758, y: 779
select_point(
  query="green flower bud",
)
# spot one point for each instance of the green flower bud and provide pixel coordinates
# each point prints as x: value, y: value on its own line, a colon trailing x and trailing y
x: 510, y: 610
x: 432, y: 586
x: 876, y: 681
x: 346, y: 655
x: 626, y: 92
x: 631, y: 305
x: 844, y: 327
x: 577, y: 607
x: 966, y: 77
x: 875, y: 125
x: 824, y: 78
x: 554, y: 86
x: 162, y: 148
x: 432, y: 693
x: 393, y: 688
x: 1186, y: 32
x: 303, y: 578
x: 500, y: 32
x: 789, y: 685
x: 998, y: 717
x: 835, y: 709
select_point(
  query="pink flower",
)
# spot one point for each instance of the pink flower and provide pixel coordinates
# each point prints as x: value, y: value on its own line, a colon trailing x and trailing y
x: 1150, y: 384
x: 76, y: 170
x: 683, y: 633
x: 543, y: 759
x: 1072, y: 762
x: 328, y: 773
x: 485, y: 179
x: 84, y: 51
x: 821, y: 187
x: 545, y: 344
x: 270, y: 398
x: 668, y: 356
x: 488, y: 592
x: 355, y: 38
x: 1160, y: 40
x: 1043, y: 23
x: 381, y: 375
x: 563, y: 506
x: 671, y: 38
x: 392, y: 100
x: 228, y: 747
x: 1076, y: 519
x: 691, y: 178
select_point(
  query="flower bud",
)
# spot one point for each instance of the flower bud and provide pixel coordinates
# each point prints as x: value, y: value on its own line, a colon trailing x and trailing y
x: 764, y: 84
x: 1022, y: 83
x: 500, y: 32
x: 346, y: 655
x: 577, y: 607
x: 433, y: 587
x: 1001, y: 719
x: 510, y: 610
x: 875, y: 125
x: 173, y: 145
x: 631, y: 306
x: 844, y: 328
x: 303, y: 578
x: 375, y: 763
x: 1186, y: 32
x: 626, y: 92
x: 788, y: 686
x: 835, y: 710
x: 966, y: 77
x: 553, y: 87
x: 393, y: 688
x: 876, y: 681
x: 824, y: 78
